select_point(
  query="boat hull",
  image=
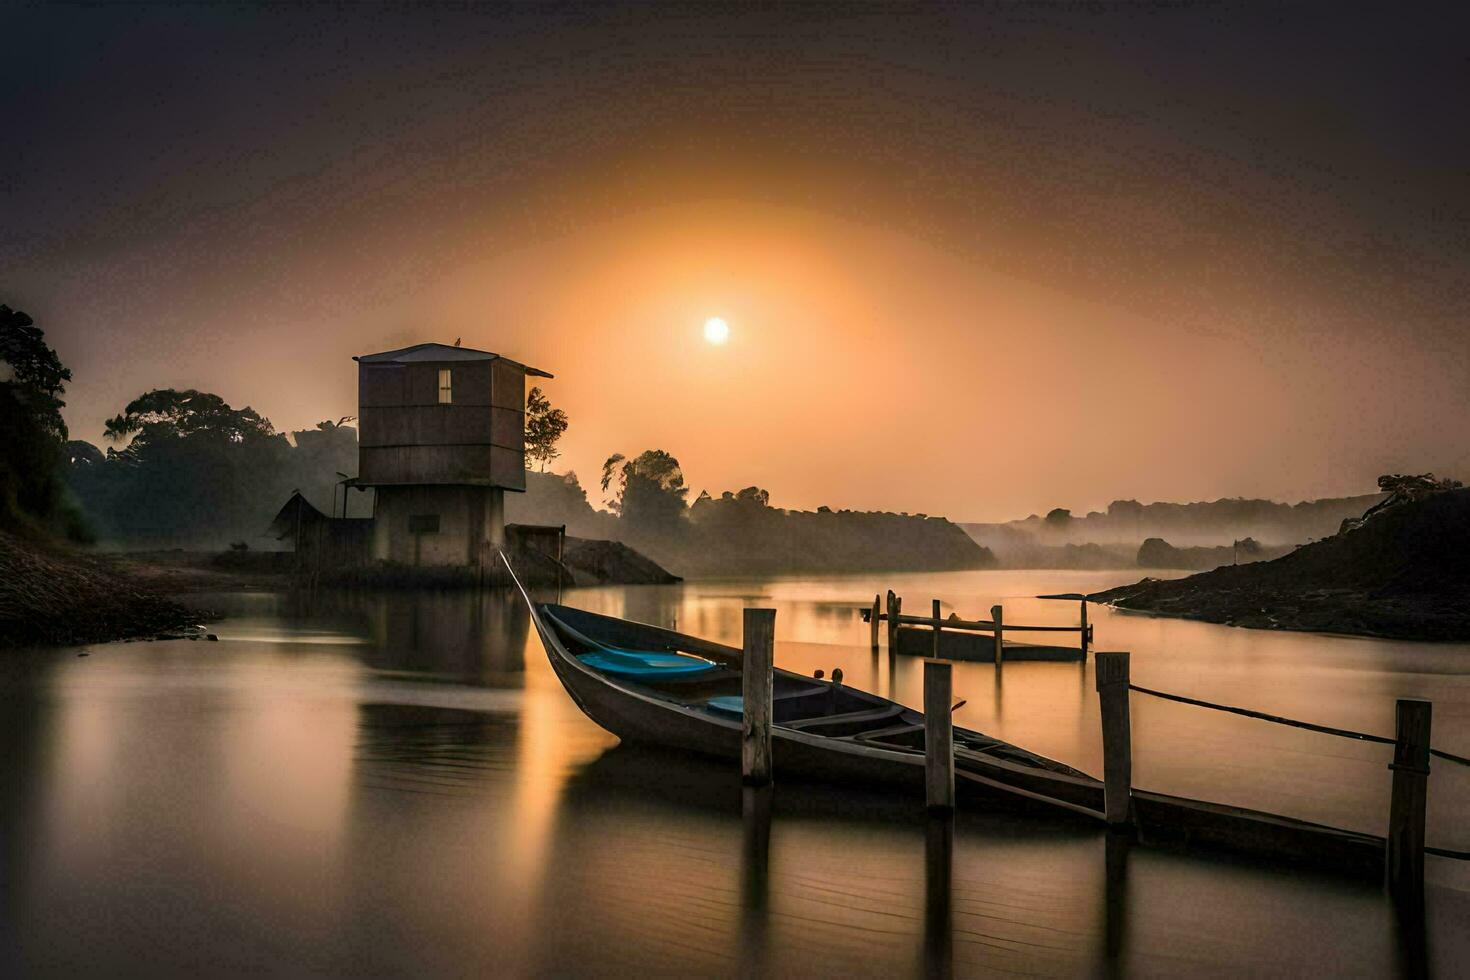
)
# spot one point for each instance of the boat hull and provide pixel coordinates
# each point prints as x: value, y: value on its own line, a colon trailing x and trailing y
x: 637, y: 718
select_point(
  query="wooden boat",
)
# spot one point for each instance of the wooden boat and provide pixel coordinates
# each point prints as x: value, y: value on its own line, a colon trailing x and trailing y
x: 655, y: 686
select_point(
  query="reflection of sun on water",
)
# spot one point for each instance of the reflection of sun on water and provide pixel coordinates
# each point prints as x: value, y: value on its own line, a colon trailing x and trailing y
x: 554, y: 738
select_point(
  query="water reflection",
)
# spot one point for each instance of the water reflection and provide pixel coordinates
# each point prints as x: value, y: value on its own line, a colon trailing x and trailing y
x: 1115, y: 898
x: 938, y: 889
x: 397, y: 785
x: 755, y: 878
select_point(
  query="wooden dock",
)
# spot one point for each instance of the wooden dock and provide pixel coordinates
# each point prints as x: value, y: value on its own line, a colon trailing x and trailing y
x: 1396, y: 859
x: 969, y: 640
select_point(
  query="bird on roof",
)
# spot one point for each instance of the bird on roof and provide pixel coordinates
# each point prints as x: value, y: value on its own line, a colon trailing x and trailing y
x: 457, y: 340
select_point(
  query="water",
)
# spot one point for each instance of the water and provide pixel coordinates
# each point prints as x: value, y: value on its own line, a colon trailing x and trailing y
x: 399, y: 786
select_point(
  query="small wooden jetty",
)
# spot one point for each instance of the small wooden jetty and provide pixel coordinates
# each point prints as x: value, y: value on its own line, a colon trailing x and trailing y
x: 973, y: 640
x: 1396, y: 858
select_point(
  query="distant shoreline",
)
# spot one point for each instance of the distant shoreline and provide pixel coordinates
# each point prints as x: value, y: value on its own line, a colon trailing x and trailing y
x: 1402, y: 574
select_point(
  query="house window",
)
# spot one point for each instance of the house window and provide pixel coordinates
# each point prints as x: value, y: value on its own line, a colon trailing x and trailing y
x: 446, y: 387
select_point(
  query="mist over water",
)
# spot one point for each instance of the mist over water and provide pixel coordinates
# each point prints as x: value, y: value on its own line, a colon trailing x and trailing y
x: 398, y: 785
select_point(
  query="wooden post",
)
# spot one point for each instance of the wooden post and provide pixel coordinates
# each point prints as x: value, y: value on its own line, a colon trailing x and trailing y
x: 997, y: 615
x: 938, y: 735
x: 1082, y: 641
x: 1404, y: 858
x: 893, y: 625
x: 1112, y: 696
x: 892, y: 622
x: 755, y: 675
x: 873, y: 622
x: 936, y: 628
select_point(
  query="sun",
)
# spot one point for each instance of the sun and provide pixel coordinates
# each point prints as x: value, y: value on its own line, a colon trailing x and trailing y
x: 716, y: 330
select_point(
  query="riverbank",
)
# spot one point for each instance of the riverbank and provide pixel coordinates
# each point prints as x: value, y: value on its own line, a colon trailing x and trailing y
x: 52, y: 594
x: 55, y: 595
x: 1403, y: 573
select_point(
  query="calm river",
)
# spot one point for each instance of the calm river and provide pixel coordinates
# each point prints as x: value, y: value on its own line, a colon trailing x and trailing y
x: 399, y: 786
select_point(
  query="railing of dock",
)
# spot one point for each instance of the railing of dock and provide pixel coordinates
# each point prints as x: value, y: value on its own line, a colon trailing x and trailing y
x: 1405, y: 845
x: 996, y: 625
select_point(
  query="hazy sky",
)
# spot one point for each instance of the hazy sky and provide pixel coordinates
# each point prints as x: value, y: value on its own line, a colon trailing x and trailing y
x: 976, y: 261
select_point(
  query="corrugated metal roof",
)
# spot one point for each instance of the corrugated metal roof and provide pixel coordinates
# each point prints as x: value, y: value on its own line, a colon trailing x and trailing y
x: 441, y: 352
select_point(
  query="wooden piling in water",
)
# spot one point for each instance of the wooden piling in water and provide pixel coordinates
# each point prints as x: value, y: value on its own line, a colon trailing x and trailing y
x: 1112, y: 695
x: 1404, y: 856
x: 936, y: 628
x: 938, y: 735
x: 873, y: 622
x: 1082, y: 641
x: 997, y: 615
x: 892, y: 623
x: 755, y: 676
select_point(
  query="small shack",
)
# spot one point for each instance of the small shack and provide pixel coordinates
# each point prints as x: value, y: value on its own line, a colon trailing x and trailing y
x: 320, y: 540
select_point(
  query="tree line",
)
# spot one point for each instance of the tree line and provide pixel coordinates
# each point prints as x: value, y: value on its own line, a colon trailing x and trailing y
x: 184, y: 468
x: 187, y: 469
x: 737, y: 533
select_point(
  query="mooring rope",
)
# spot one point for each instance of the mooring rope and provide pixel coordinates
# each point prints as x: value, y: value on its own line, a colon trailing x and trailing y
x: 1263, y: 716
x: 1443, y: 852
x: 1341, y: 732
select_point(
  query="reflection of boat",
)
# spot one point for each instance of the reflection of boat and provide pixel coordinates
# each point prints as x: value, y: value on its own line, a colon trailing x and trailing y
x: 651, y: 685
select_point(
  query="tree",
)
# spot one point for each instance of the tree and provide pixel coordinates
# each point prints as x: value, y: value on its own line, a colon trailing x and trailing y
x: 164, y: 414
x: 34, y: 375
x: 544, y: 428
x: 32, y: 432
x: 648, y: 490
x: 198, y: 471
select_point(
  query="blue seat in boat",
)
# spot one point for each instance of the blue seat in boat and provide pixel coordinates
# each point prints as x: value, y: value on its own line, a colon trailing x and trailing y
x: 732, y: 704
x: 635, y: 664
x: 644, y: 664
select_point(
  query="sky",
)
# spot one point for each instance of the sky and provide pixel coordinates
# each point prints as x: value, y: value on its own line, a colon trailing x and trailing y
x: 976, y: 260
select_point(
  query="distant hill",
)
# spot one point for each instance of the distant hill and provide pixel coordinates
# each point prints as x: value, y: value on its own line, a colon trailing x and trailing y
x: 740, y: 534
x: 1053, y: 541
x: 1403, y: 572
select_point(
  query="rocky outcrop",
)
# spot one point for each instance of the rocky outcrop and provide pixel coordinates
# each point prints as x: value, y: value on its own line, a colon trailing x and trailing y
x: 612, y: 562
x: 1158, y: 553
x: 1403, y: 571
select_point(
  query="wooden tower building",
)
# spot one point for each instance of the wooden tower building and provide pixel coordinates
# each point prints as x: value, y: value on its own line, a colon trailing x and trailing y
x: 441, y: 437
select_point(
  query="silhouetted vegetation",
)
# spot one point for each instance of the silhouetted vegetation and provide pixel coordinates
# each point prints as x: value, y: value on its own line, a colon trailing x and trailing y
x: 199, y: 472
x: 32, y: 433
x: 544, y: 428
x: 738, y: 533
x: 647, y: 490
x: 191, y: 470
